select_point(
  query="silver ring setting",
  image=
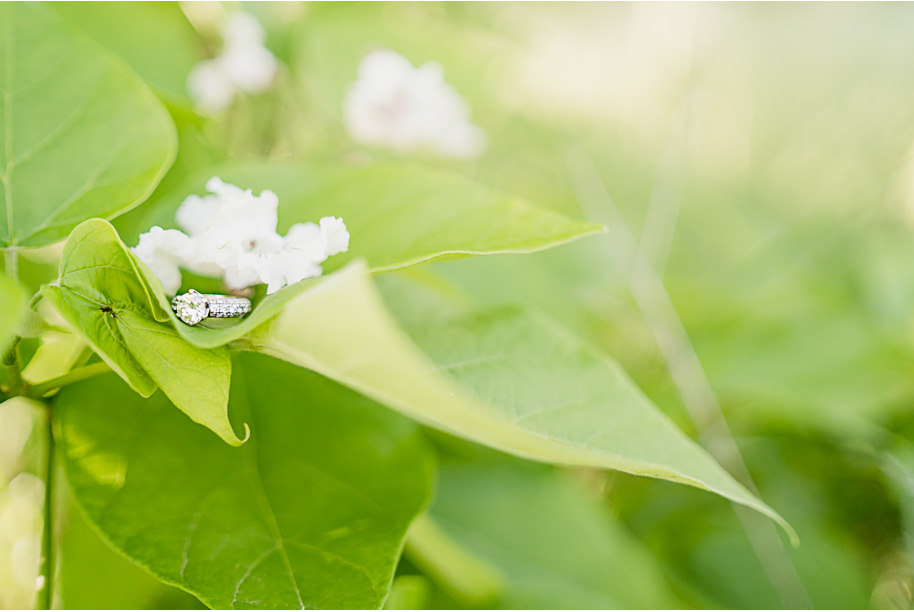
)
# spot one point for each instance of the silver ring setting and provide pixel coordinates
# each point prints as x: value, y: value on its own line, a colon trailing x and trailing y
x: 192, y: 307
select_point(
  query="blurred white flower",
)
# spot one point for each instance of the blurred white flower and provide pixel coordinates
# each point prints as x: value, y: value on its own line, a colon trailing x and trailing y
x: 245, y: 65
x: 406, y: 109
x: 232, y: 233
x: 209, y: 88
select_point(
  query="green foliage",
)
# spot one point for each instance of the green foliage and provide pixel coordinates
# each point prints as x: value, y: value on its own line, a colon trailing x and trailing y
x: 154, y: 38
x: 86, y: 561
x: 310, y: 512
x: 556, y: 399
x: 102, y: 294
x: 397, y: 215
x: 13, y: 299
x: 390, y: 406
x: 549, y: 540
x: 402, y: 226
x: 83, y: 137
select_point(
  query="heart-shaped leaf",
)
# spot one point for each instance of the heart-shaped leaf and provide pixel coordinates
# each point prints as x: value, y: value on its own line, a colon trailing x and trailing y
x: 102, y: 294
x: 397, y: 217
x: 505, y: 378
x: 154, y: 38
x: 311, y: 512
x: 82, y: 135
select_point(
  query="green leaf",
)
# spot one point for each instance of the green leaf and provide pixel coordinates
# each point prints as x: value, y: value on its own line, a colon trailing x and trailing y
x: 213, y: 333
x: 86, y: 562
x: 409, y: 593
x: 400, y: 216
x: 154, y: 38
x: 83, y: 136
x: 311, y: 512
x: 57, y: 354
x: 504, y: 378
x: 102, y: 294
x: 13, y: 299
x: 397, y: 217
x: 552, y: 544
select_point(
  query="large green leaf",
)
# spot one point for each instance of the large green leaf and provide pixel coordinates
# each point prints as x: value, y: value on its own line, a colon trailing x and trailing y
x: 101, y: 293
x: 311, y: 512
x: 505, y: 378
x: 154, y: 38
x: 12, y: 297
x: 83, y: 136
x: 552, y: 544
x: 397, y: 217
x: 86, y: 562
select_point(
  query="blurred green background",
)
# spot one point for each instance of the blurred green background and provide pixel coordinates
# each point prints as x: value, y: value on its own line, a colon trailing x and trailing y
x: 760, y: 158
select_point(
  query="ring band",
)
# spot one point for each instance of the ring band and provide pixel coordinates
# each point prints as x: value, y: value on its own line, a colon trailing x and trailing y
x: 192, y: 307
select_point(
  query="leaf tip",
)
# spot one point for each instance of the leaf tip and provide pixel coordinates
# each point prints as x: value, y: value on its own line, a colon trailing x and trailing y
x: 236, y: 441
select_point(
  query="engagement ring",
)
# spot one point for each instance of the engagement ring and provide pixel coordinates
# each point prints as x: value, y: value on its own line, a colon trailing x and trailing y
x: 192, y: 307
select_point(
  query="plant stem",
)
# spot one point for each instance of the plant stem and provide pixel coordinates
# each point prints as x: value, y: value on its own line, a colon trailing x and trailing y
x: 464, y: 576
x: 11, y: 262
x: 46, y: 570
x: 75, y: 375
x: 14, y: 382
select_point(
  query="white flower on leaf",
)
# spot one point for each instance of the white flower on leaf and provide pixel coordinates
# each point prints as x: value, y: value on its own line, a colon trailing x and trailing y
x: 164, y: 251
x: 232, y: 233
x: 333, y: 232
x: 407, y: 109
x: 244, y: 65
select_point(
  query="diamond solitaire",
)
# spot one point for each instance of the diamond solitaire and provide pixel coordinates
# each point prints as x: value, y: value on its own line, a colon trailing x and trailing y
x: 192, y: 307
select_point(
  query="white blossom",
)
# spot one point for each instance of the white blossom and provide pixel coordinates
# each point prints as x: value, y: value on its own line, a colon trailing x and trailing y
x: 164, y: 251
x: 409, y: 109
x: 244, y: 65
x: 231, y: 233
x: 334, y: 234
x: 209, y: 88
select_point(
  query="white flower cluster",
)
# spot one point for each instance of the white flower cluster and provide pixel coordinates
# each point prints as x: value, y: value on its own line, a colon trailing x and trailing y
x: 245, y: 65
x: 396, y: 106
x: 232, y: 233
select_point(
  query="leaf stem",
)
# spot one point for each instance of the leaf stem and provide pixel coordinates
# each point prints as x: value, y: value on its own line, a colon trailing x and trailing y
x: 46, y: 570
x: 14, y: 382
x: 75, y: 375
x: 11, y: 262
x: 35, y: 299
x: 464, y: 576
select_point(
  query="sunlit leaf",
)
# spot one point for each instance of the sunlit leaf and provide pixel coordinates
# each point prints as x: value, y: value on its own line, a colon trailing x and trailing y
x: 311, y: 512
x: 83, y: 135
x: 397, y: 217
x: 505, y: 378
x: 154, y: 38
x: 101, y: 293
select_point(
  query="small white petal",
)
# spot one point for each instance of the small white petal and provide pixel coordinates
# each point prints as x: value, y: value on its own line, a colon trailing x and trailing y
x: 164, y: 251
x: 195, y: 214
x: 307, y: 242
x: 335, y: 234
